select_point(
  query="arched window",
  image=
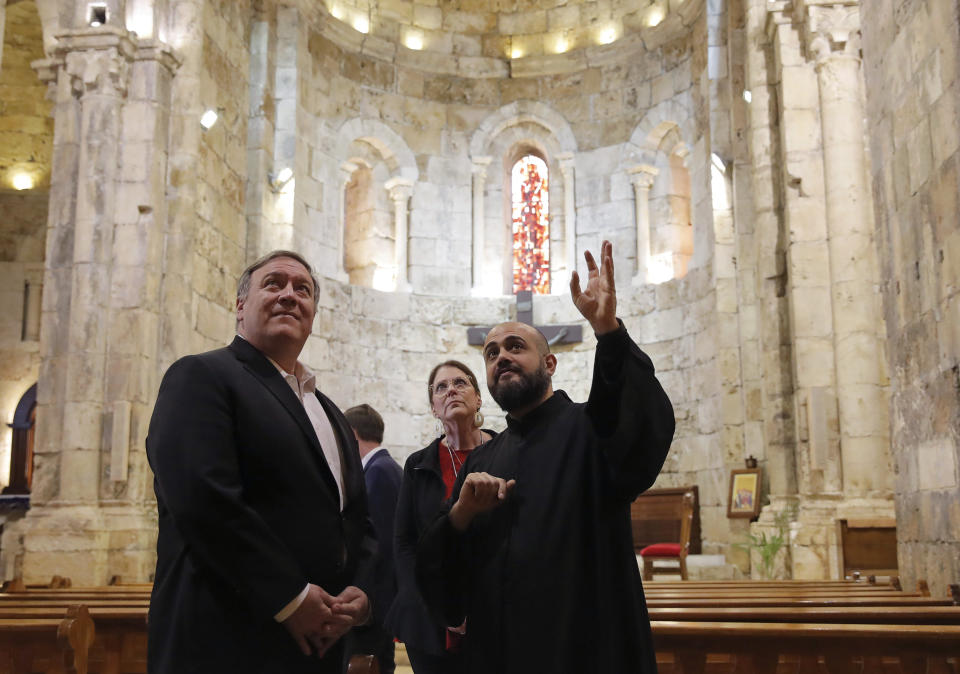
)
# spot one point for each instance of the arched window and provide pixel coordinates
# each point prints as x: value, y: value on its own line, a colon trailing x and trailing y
x: 21, y: 457
x: 530, y: 214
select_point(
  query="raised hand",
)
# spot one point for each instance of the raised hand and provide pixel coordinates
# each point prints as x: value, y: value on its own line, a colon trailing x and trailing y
x: 598, y: 301
x: 480, y: 492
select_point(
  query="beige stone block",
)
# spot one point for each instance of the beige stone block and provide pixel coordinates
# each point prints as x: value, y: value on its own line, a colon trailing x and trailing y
x: 811, y: 306
x: 859, y: 416
x: 800, y: 130
x: 944, y: 128
x: 920, y: 153
x: 809, y: 263
x: 806, y: 218
x: 937, y: 464
x: 430, y: 18
x: 814, y: 362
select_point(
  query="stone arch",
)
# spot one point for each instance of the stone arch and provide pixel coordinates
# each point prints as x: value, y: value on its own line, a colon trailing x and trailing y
x: 373, y: 158
x: 494, y: 148
x: 522, y: 112
x: 21, y: 456
x: 392, y: 148
x: 660, y: 145
x: 659, y: 120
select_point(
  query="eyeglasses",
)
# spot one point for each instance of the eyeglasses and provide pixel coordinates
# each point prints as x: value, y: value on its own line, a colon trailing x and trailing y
x: 441, y: 388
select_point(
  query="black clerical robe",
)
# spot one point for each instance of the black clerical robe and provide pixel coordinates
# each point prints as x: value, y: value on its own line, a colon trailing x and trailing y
x: 548, y: 581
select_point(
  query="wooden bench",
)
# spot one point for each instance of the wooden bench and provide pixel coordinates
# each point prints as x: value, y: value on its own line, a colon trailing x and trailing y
x: 119, y: 643
x: 663, y: 527
x: 685, y: 647
x: 868, y: 546
x: 53, y: 645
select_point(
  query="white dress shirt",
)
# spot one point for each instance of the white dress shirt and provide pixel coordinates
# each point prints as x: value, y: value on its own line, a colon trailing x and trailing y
x: 304, y: 385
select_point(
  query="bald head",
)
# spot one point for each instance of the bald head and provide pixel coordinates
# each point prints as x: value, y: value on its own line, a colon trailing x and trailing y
x: 528, y: 332
x: 519, y: 367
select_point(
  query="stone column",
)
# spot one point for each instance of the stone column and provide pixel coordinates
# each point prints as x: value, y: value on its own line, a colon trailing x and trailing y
x: 567, y: 168
x: 480, y: 165
x: 98, y: 347
x: 832, y: 31
x: 346, y: 172
x: 642, y: 177
x: 400, y: 190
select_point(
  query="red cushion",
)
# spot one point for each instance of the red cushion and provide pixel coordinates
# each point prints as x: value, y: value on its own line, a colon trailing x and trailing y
x: 661, y: 550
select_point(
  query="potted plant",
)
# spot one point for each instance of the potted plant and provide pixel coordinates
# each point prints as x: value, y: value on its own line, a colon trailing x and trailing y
x: 768, y: 544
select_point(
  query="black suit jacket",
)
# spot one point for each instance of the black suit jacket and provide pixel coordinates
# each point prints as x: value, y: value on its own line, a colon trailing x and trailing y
x: 248, y: 514
x: 382, y: 476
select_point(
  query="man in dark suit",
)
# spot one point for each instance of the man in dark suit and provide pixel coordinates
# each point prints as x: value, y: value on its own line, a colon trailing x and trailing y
x: 382, y: 476
x: 265, y: 546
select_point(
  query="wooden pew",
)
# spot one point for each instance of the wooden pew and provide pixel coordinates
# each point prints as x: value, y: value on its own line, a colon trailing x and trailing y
x: 120, y: 642
x: 47, y: 645
x: 834, y: 648
x: 896, y: 615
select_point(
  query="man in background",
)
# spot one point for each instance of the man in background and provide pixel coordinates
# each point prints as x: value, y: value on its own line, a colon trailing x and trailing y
x: 382, y: 476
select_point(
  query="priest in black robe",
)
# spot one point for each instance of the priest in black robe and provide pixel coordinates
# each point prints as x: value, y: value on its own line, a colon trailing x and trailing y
x: 534, y: 549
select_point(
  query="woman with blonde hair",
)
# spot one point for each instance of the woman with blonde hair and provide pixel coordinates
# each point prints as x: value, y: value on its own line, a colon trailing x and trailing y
x: 428, y: 478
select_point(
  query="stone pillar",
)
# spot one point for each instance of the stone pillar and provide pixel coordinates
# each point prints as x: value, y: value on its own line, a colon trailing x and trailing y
x: 92, y: 513
x: 642, y: 177
x: 480, y: 165
x: 832, y: 31
x: 569, y: 216
x: 400, y: 190
x: 346, y: 172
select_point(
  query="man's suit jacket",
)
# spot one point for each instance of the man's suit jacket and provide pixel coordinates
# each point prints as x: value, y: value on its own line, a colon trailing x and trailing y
x: 382, y: 476
x: 248, y: 514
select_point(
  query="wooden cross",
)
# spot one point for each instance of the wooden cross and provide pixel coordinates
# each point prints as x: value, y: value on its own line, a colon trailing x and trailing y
x: 555, y: 334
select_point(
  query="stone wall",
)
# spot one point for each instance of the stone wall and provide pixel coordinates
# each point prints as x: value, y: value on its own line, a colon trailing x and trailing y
x: 912, y: 58
x: 26, y: 138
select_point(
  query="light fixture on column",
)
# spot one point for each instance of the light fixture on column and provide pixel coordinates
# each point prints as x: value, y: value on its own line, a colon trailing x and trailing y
x: 607, y: 35
x: 655, y: 16
x: 96, y: 14
x: 413, y: 40
x: 209, y: 118
x: 22, y: 181
x: 747, y: 95
x: 279, y: 180
x: 361, y: 24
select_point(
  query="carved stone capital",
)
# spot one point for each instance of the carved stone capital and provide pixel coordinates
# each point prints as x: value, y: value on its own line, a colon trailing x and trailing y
x: 399, y: 189
x: 829, y: 27
x: 480, y: 165
x: 97, y: 60
x: 642, y: 176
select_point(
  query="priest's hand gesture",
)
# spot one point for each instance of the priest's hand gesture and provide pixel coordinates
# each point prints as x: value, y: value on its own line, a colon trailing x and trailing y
x: 480, y: 492
x: 598, y: 301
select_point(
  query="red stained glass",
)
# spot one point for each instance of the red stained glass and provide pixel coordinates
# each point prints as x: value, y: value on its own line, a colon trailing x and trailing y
x: 531, y: 225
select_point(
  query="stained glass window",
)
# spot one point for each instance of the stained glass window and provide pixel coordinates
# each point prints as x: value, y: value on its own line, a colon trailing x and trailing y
x: 531, y: 225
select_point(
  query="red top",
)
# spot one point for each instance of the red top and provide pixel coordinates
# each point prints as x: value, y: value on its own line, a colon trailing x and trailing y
x: 450, y: 464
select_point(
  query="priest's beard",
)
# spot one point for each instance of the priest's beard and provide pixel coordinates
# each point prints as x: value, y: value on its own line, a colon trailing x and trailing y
x: 521, y: 391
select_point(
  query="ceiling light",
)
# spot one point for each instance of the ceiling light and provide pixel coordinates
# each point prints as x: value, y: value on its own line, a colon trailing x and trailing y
x: 208, y: 119
x: 337, y: 11
x: 655, y: 16
x: 516, y: 52
x: 361, y: 24
x: 608, y: 35
x: 96, y: 14
x: 414, y: 40
x: 22, y: 181
x: 561, y: 45
x: 747, y: 96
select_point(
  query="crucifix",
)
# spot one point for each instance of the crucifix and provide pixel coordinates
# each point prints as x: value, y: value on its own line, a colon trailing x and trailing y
x: 555, y: 334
